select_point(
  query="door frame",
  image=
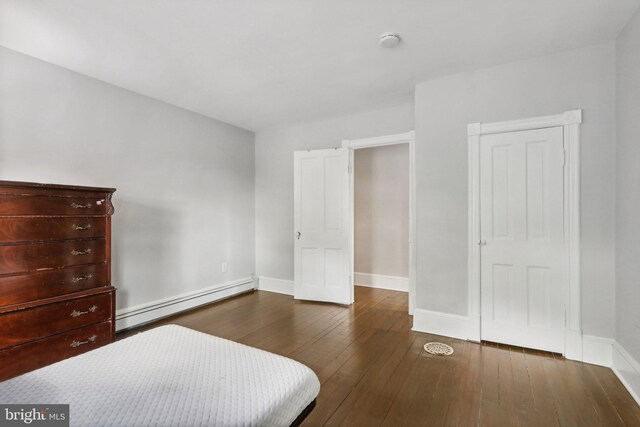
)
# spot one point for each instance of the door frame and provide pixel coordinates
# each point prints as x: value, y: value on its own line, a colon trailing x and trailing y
x: 570, y: 122
x: 379, y: 141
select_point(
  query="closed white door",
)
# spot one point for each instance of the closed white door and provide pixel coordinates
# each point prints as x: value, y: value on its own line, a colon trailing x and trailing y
x: 321, y: 233
x: 524, y: 284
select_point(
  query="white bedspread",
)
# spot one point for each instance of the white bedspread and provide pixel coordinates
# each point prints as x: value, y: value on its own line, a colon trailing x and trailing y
x: 171, y: 376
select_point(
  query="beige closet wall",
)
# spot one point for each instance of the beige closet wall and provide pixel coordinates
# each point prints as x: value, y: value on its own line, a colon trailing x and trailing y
x: 382, y: 210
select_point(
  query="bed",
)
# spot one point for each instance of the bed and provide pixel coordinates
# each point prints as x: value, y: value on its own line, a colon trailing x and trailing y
x: 172, y: 376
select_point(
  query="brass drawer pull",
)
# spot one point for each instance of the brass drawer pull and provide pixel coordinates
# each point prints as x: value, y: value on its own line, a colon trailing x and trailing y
x: 91, y: 339
x: 76, y: 313
x: 78, y: 206
x: 80, y: 228
x: 85, y: 252
x: 81, y: 278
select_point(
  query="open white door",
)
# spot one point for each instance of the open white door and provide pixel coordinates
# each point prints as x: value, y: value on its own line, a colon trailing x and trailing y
x: 524, y: 265
x: 321, y: 221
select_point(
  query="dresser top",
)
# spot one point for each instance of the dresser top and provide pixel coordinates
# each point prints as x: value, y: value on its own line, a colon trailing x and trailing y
x: 19, y: 184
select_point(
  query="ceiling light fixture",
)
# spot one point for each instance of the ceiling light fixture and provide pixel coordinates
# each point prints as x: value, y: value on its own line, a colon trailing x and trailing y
x: 389, y: 40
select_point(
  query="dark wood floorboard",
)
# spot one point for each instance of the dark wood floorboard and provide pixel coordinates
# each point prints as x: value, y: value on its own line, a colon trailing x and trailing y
x: 374, y: 371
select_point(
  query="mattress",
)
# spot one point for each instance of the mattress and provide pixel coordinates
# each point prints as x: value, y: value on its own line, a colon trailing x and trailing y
x: 171, y: 376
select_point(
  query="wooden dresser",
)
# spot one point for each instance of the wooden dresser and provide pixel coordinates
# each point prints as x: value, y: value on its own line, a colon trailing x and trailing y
x: 56, y: 298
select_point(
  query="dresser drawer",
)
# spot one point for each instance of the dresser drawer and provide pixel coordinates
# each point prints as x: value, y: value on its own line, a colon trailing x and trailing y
x: 28, y: 229
x: 38, y: 256
x: 51, y: 283
x: 24, y: 358
x: 21, y: 326
x: 12, y: 204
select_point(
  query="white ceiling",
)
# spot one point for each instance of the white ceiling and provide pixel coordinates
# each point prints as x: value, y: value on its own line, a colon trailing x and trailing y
x: 262, y: 63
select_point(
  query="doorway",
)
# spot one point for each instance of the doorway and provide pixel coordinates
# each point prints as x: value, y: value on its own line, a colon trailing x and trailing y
x: 381, y: 217
x: 324, y: 229
x: 383, y: 254
x: 524, y: 232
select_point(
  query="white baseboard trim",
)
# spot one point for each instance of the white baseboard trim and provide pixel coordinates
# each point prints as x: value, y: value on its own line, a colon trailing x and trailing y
x: 627, y: 368
x: 597, y: 350
x: 380, y: 281
x: 438, y: 323
x: 279, y: 286
x: 137, y: 315
x: 282, y: 286
x: 573, y: 344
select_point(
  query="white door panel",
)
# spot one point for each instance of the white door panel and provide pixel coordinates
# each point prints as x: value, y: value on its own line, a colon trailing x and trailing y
x: 321, y: 215
x: 523, y: 271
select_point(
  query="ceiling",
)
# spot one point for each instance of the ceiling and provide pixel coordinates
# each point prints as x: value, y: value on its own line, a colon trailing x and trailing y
x: 259, y: 64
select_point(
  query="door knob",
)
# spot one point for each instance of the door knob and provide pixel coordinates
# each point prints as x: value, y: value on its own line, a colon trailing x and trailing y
x: 482, y: 243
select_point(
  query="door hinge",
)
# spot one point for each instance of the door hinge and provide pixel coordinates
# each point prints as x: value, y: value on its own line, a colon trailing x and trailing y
x: 564, y: 156
x: 349, y: 169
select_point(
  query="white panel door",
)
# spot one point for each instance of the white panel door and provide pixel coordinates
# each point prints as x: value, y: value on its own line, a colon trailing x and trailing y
x: 321, y: 218
x: 524, y: 283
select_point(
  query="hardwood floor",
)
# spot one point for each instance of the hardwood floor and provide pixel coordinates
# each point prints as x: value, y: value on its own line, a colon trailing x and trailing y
x: 374, y: 371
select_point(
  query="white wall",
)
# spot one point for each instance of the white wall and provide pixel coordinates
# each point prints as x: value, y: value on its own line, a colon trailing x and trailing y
x: 382, y: 210
x: 628, y: 188
x: 274, y: 175
x: 185, y: 199
x: 582, y: 78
